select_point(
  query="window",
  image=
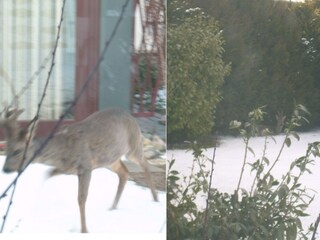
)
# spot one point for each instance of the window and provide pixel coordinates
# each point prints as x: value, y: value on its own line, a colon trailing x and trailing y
x: 115, y: 70
x: 28, y: 31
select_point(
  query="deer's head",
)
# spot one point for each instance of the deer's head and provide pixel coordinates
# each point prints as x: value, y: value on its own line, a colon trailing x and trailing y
x: 15, y: 137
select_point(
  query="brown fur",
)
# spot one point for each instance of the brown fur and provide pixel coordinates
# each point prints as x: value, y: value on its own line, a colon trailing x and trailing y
x: 98, y: 141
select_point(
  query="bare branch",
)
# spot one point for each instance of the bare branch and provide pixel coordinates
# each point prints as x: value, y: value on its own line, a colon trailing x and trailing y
x: 31, y: 79
x: 315, y: 228
x: 205, y: 224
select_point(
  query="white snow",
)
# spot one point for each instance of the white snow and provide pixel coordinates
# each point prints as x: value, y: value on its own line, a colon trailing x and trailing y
x: 49, y: 205
x: 229, y: 159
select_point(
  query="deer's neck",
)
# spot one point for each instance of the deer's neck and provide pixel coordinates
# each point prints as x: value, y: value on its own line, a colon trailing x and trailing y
x: 50, y: 154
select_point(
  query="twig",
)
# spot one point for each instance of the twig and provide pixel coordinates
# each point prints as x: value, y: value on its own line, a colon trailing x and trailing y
x: 205, y: 225
x: 32, y: 78
x: 257, y: 176
x: 8, y: 208
x: 315, y: 228
x: 278, y: 157
x: 243, y: 165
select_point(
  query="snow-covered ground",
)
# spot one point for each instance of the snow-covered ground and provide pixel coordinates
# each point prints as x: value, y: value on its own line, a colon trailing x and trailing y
x: 49, y: 205
x: 229, y: 159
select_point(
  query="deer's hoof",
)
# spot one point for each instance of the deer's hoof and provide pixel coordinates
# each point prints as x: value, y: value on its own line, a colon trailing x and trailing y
x: 113, y: 208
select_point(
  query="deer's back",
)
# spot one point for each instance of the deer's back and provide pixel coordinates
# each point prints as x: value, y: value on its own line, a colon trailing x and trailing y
x: 108, y: 134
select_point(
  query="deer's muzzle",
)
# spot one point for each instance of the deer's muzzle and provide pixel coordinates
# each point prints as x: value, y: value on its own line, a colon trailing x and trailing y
x: 7, y: 170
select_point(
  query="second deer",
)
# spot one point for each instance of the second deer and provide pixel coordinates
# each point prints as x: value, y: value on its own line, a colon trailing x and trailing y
x: 98, y: 141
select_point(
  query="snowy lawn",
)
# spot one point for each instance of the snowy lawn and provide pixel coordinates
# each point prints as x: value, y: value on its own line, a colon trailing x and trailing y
x: 229, y: 159
x: 49, y: 205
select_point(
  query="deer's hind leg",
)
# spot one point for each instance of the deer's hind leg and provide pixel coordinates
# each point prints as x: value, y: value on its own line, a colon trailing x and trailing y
x: 119, y: 168
x: 137, y: 157
x: 84, y: 181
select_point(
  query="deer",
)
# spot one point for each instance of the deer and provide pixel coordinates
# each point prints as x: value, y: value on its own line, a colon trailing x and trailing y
x: 98, y: 141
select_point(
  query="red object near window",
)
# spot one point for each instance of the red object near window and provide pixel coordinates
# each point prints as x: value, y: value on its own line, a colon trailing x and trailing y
x: 148, y: 57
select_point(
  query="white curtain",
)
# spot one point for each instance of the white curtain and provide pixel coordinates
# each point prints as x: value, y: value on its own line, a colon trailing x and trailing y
x: 28, y: 31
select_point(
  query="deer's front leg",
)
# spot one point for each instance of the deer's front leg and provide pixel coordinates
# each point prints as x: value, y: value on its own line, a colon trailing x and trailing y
x: 84, y: 181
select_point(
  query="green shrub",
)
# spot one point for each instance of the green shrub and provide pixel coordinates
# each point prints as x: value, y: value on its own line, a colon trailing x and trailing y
x: 195, y: 73
x: 271, y: 209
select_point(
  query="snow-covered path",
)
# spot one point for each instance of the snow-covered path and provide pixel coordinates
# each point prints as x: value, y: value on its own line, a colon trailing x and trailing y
x: 229, y: 159
x: 49, y: 205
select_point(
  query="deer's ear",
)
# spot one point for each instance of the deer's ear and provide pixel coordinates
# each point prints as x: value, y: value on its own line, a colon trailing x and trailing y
x: 25, y: 134
x: 14, y: 114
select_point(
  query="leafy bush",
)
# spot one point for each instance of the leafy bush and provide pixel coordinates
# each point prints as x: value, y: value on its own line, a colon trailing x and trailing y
x: 271, y: 209
x: 196, y: 71
x: 182, y: 211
